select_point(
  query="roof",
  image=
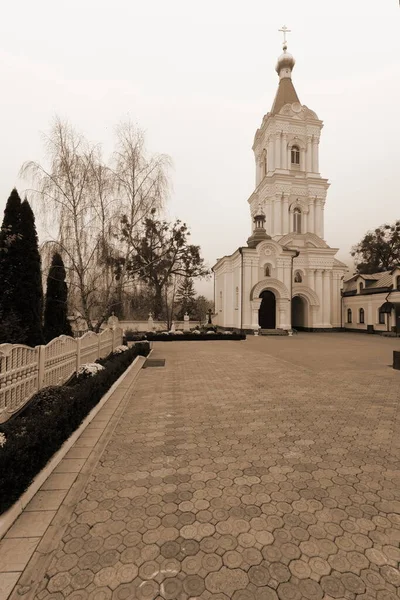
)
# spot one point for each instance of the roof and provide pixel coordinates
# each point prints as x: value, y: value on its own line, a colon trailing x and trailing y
x: 375, y: 281
x: 286, y: 94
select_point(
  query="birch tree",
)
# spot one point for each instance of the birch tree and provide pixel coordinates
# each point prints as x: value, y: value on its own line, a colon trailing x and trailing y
x: 85, y: 203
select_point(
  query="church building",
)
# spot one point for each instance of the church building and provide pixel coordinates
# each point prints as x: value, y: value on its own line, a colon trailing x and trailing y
x: 286, y: 276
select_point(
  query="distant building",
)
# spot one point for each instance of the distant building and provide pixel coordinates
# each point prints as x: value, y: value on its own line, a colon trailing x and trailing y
x: 287, y: 275
x: 371, y: 303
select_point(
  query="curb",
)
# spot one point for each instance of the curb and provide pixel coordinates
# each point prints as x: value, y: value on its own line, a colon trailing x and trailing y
x: 8, y: 518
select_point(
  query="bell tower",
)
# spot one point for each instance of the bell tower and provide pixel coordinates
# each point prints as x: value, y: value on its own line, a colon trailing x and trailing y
x: 289, y: 187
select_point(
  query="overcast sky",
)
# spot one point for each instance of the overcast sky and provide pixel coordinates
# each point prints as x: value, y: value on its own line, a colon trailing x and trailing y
x: 198, y: 77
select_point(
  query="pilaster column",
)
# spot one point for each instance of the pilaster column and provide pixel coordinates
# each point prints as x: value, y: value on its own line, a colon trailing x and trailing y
x: 336, y: 299
x: 320, y: 294
x: 259, y: 170
x: 278, y: 150
x: 277, y: 216
x: 270, y: 155
x: 315, y: 167
x: 309, y: 154
x: 322, y: 219
x: 285, y: 203
x: 302, y: 159
x: 370, y: 313
x: 304, y: 225
x: 268, y: 216
x: 284, y: 151
x: 280, y: 270
x: 255, y: 307
x: 327, y: 298
x: 283, y: 316
x: 311, y: 220
x: 318, y: 217
x: 311, y: 278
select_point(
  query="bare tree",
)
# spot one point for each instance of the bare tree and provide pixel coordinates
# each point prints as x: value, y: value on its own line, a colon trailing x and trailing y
x: 142, y: 185
x: 88, y: 203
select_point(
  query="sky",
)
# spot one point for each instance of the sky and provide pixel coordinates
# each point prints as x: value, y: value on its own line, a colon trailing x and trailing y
x: 198, y: 78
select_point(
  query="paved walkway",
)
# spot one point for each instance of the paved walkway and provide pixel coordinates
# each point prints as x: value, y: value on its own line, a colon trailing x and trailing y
x: 262, y: 469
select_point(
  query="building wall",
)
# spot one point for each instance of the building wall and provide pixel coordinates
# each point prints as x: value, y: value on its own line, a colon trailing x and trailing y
x: 370, y: 303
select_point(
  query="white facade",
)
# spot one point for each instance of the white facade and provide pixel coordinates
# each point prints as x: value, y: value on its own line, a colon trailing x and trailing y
x: 287, y: 276
x: 363, y: 298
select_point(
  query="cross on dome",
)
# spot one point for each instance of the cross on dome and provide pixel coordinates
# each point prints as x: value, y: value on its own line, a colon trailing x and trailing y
x: 285, y: 30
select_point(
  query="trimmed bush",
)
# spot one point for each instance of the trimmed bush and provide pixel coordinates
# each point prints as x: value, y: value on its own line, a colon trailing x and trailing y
x: 166, y: 336
x: 53, y: 414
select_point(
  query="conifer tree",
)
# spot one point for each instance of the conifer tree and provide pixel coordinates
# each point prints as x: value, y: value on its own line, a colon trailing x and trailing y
x: 186, y: 298
x: 29, y: 303
x: 12, y: 329
x: 55, y: 312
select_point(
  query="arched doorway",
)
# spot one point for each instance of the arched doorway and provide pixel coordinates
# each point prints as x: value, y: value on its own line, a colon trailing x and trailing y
x: 299, y: 312
x: 267, y: 310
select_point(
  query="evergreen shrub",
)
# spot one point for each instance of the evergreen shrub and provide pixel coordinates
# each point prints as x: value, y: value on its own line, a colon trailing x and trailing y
x: 49, y: 419
x: 186, y: 336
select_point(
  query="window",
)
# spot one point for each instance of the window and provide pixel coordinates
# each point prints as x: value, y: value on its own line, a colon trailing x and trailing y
x: 297, y: 220
x: 349, y: 318
x: 381, y: 318
x: 220, y: 301
x: 361, y: 286
x: 237, y: 298
x: 267, y: 271
x: 295, y: 155
x: 361, y: 315
x: 398, y: 282
x: 265, y: 164
x: 298, y: 278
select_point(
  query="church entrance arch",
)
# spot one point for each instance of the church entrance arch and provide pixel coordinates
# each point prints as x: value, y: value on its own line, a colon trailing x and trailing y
x: 267, y: 310
x: 300, y: 308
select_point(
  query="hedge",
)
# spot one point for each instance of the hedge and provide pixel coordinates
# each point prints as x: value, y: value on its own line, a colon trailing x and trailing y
x: 52, y: 415
x: 185, y: 337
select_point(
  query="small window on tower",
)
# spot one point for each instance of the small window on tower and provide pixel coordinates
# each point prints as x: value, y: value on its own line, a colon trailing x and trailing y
x: 295, y: 155
x: 298, y: 278
x: 297, y: 220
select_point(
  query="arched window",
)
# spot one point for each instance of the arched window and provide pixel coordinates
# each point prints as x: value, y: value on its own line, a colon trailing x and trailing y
x: 297, y: 220
x: 298, y: 278
x: 237, y: 298
x: 361, y: 315
x: 295, y: 155
x: 349, y: 317
x: 398, y: 282
x: 220, y: 301
x: 361, y: 286
x: 265, y: 163
x: 267, y: 270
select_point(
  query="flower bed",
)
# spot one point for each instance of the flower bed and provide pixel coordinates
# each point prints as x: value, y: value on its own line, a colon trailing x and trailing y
x: 183, y: 336
x: 30, y: 439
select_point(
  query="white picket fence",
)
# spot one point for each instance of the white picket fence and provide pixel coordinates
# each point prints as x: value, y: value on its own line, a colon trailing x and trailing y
x: 25, y: 370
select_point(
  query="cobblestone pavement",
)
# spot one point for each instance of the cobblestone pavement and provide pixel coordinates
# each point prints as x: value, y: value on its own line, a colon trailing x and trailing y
x: 248, y: 470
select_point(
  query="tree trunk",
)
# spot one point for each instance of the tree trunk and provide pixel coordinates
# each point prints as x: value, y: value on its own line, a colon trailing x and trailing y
x: 158, y: 302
